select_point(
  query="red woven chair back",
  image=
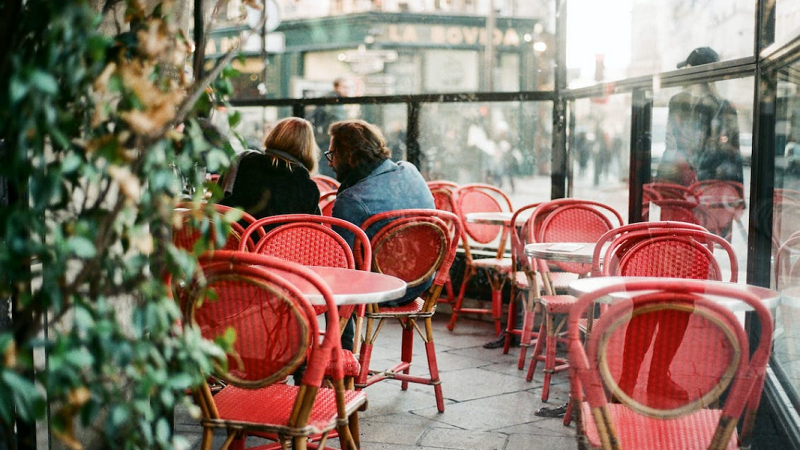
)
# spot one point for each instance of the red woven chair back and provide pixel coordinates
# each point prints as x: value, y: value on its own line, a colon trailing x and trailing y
x: 326, y: 201
x: 471, y: 198
x: 195, y: 220
x: 310, y: 240
x: 664, y: 252
x: 442, y: 192
x: 611, y: 235
x: 572, y: 220
x: 276, y: 327
x: 414, y: 244
x: 325, y: 183
x: 520, y: 236
x: 698, y: 358
x: 787, y: 263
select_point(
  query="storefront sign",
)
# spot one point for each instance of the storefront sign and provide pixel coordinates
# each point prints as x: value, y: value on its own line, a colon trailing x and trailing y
x: 447, y: 35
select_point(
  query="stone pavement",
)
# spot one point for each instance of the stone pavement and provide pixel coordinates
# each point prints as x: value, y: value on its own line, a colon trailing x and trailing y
x: 488, y: 403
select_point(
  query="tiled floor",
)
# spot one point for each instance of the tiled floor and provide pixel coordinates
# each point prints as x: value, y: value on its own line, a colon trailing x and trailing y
x: 488, y: 403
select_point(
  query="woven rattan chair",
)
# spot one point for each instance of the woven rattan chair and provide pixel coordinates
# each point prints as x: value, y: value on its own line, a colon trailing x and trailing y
x: 522, y: 289
x: 562, y: 220
x: 309, y: 240
x: 678, y: 252
x: 414, y: 246
x: 442, y: 192
x: 692, y: 399
x: 470, y: 198
x: 195, y: 218
x: 276, y: 330
x: 325, y: 183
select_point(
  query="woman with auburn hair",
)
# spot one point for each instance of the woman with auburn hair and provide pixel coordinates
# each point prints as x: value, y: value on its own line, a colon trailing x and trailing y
x: 276, y: 180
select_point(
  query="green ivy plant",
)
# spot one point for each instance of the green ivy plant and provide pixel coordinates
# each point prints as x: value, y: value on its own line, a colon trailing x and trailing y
x: 100, y: 137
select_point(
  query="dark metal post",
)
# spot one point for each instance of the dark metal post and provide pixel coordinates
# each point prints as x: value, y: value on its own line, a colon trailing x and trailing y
x: 640, y: 158
x: 199, y: 40
x: 558, y: 176
x: 413, y: 153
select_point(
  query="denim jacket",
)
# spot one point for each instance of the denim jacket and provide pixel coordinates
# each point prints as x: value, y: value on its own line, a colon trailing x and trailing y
x: 389, y: 187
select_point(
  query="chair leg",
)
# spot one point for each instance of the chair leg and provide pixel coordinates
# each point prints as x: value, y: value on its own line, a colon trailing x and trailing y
x: 365, y: 355
x: 511, y: 320
x: 407, y: 349
x: 497, y: 280
x: 433, y: 365
x: 529, y: 317
x: 568, y: 415
x: 468, y: 274
x: 537, y: 350
x: 550, y: 357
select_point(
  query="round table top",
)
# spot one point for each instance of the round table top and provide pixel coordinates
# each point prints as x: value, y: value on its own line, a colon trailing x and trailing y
x: 353, y: 287
x: 770, y: 298
x: 497, y: 217
x: 570, y: 252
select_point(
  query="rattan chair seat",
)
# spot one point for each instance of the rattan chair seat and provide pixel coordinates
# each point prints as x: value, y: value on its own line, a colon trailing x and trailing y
x: 686, y: 433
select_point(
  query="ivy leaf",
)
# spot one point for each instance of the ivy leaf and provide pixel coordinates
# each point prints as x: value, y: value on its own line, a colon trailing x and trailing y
x: 28, y: 401
x: 81, y: 247
x: 44, y: 82
x: 18, y: 89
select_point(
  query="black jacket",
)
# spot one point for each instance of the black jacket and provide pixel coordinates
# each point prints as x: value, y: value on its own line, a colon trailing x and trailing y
x: 267, y: 185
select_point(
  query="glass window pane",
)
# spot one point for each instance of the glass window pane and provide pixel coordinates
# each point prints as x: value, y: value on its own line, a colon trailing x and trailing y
x: 599, y: 149
x: 394, y: 47
x: 503, y: 144
x: 627, y: 38
x: 787, y: 16
x: 786, y: 222
x: 702, y: 139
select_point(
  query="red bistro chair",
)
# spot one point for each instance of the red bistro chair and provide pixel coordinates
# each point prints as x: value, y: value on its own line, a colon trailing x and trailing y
x: 471, y: 198
x: 276, y: 330
x: 669, y: 252
x: 563, y: 220
x: 309, y: 240
x: 415, y: 245
x: 526, y: 285
x: 442, y: 192
x: 325, y: 183
x: 196, y: 219
x: 691, y: 399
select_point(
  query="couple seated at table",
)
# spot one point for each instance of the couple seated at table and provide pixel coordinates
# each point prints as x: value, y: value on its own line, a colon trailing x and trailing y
x: 277, y: 181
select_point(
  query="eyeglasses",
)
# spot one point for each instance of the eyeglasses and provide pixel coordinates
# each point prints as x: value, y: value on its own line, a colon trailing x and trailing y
x: 329, y: 155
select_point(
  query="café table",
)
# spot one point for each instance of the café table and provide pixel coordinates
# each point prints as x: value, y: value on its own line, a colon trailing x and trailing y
x: 569, y: 252
x: 499, y: 218
x: 352, y: 287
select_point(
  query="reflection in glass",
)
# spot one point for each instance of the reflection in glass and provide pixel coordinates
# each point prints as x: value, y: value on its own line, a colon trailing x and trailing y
x: 507, y: 145
x: 599, y: 148
x: 786, y: 224
x: 697, y: 128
